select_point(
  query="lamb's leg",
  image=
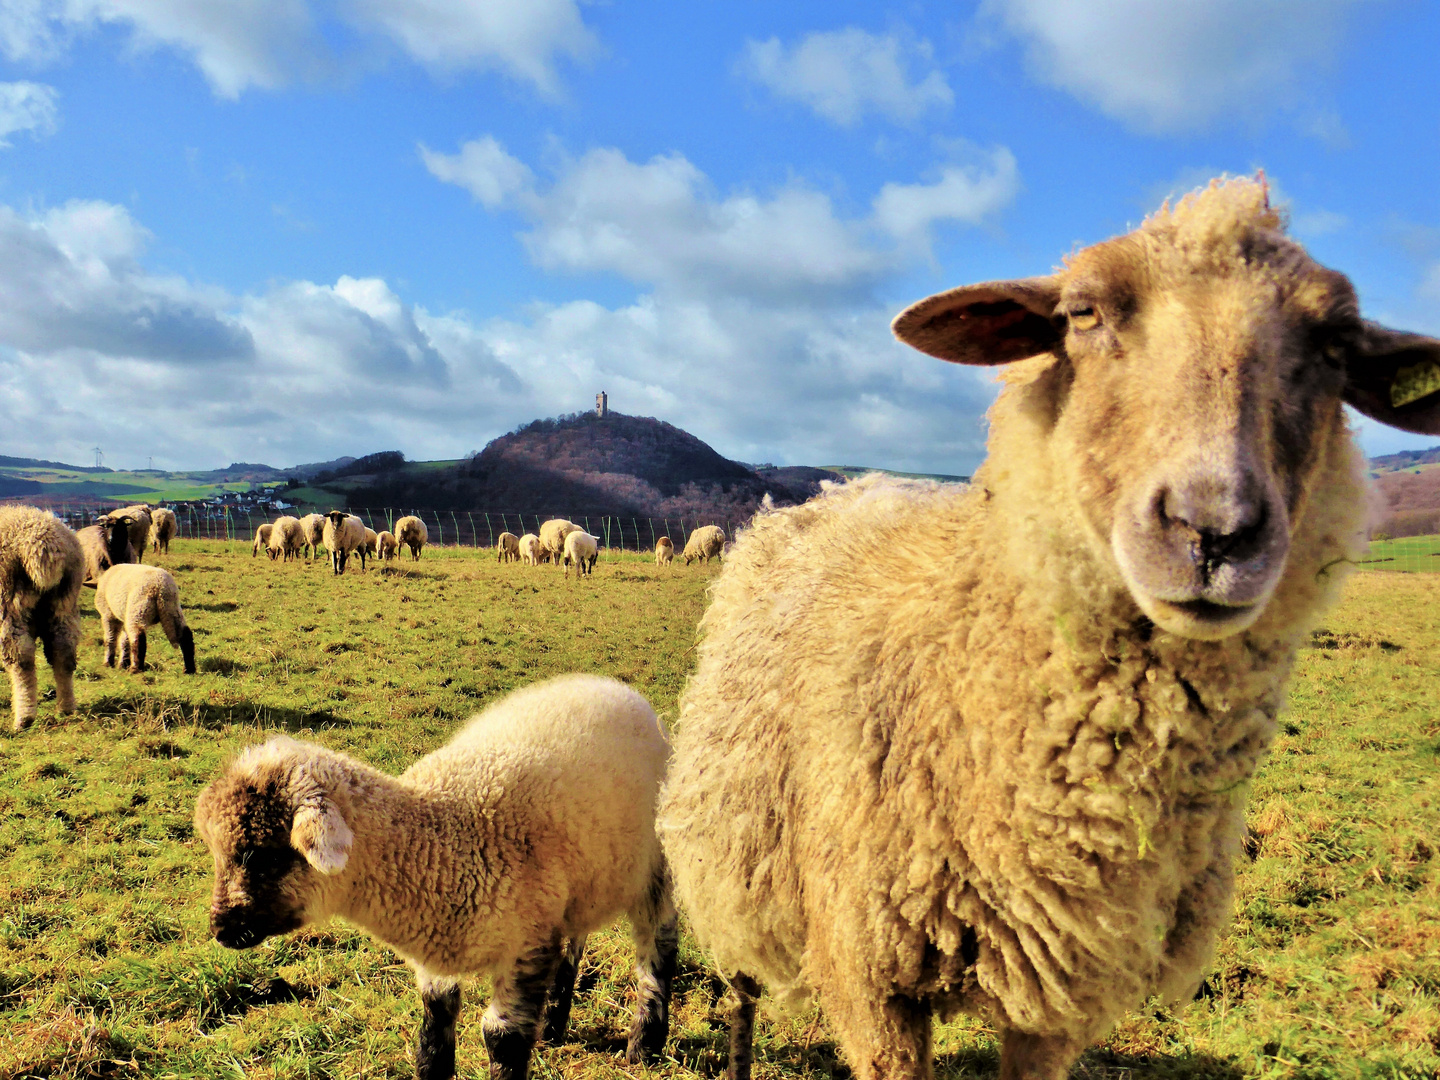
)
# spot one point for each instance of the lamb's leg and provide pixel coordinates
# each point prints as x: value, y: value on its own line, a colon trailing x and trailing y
x: 513, y: 1018
x: 884, y: 1038
x: 1036, y: 1057
x: 18, y: 649
x: 62, y: 648
x: 742, y: 1027
x: 656, y: 928
x: 137, y: 648
x: 562, y: 992
x: 179, y: 636
x: 435, y: 1049
x: 112, y: 634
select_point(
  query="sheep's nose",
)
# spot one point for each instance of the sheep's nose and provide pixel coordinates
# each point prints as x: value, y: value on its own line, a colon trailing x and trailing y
x: 1222, y: 521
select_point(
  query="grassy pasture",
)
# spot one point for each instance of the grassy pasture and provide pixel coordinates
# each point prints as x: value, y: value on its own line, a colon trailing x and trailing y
x: 1332, y: 967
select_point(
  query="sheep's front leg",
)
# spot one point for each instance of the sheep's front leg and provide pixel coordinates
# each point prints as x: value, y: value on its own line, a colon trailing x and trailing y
x: 513, y: 1018
x: 657, y: 946
x: 136, y: 641
x: 884, y: 1038
x: 62, y: 648
x: 742, y: 1027
x: 112, y: 636
x: 435, y: 1050
x: 562, y: 992
x: 18, y: 649
x: 1024, y: 1056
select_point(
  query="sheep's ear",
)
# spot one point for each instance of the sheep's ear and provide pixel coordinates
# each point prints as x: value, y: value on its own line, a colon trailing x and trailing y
x: 1394, y: 377
x: 993, y: 323
x: 320, y: 834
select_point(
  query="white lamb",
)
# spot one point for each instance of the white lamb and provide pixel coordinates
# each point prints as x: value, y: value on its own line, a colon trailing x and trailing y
x: 344, y: 533
x: 705, y: 543
x: 411, y: 533
x: 163, y: 527
x: 131, y: 597
x: 313, y: 526
x: 581, y: 550
x: 287, y: 539
x: 497, y: 853
x: 262, y: 539
x: 507, y: 547
x: 530, y: 551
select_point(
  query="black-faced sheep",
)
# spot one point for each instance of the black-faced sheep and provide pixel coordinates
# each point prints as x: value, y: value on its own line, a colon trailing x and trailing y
x: 387, y: 547
x: 507, y: 547
x: 411, y: 533
x: 344, y: 533
x: 664, y: 551
x: 163, y: 527
x: 581, y: 550
x: 105, y: 544
x: 129, y: 599
x: 1011, y: 780
x: 530, y: 551
x: 287, y: 539
x: 705, y: 543
x: 139, y: 519
x: 41, y: 568
x: 262, y: 540
x: 552, y: 538
x: 497, y: 853
x: 313, y: 526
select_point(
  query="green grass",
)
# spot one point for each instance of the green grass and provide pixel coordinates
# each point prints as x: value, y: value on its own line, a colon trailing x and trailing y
x: 1408, y: 554
x: 1332, y: 967
x: 136, y: 486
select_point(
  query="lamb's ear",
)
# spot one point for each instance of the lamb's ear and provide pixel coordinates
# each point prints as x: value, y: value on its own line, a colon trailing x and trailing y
x: 1394, y: 377
x: 992, y: 323
x: 320, y: 834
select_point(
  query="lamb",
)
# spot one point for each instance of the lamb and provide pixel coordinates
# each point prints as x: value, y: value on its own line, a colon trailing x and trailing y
x: 105, y: 544
x: 163, y: 526
x: 705, y: 543
x: 313, y: 526
x: 131, y: 597
x: 1011, y: 780
x: 530, y: 552
x: 262, y: 540
x: 411, y: 533
x: 664, y: 551
x: 497, y: 853
x: 344, y: 533
x: 387, y: 547
x: 581, y: 550
x: 552, y: 538
x: 41, y: 568
x: 507, y: 547
x: 287, y: 539
x: 372, y: 540
x: 139, y: 516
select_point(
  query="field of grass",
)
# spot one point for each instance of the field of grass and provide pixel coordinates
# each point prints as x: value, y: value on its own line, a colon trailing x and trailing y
x: 139, y: 486
x: 1407, y: 554
x: 1332, y: 967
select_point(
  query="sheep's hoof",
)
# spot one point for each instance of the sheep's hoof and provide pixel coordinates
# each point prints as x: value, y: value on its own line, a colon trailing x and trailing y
x: 23, y: 722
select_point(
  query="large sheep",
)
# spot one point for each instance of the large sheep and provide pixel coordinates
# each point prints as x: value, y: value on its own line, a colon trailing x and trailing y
x: 344, y: 533
x: 130, y: 598
x: 41, y: 568
x: 664, y: 551
x: 139, y: 517
x: 163, y: 527
x: 497, y: 853
x: 705, y: 543
x: 105, y: 544
x: 552, y: 538
x: 387, y: 547
x: 411, y: 533
x: 287, y: 539
x: 987, y: 749
x: 313, y: 526
x: 507, y: 547
x: 530, y: 550
x: 581, y: 550
x: 262, y: 539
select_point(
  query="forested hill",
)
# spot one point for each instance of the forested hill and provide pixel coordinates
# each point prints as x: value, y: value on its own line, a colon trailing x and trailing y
x: 587, y: 464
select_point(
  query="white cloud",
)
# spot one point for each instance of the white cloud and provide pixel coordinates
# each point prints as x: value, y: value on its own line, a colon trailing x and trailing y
x: 26, y: 106
x: 968, y: 194
x: 1177, y: 66
x: 843, y: 75
x: 244, y: 44
x: 482, y: 168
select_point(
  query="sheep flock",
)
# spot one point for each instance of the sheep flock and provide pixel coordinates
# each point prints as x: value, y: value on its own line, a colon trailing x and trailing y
x: 946, y: 749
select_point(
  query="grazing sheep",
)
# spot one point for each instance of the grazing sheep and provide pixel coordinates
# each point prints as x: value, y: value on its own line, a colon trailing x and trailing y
x: 387, y: 547
x: 139, y: 517
x: 344, y: 533
x: 130, y: 598
x: 41, y: 568
x: 552, y: 538
x: 1011, y: 780
x: 581, y: 550
x: 664, y: 551
x: 105, y: 544
x: 530, y: 551
x: 411, y: 533
x: 262, y: 539
x: 163, y: 527
x: 507, y: 547
x: 287, y: 539
x: 705, y: 543
x: 372, y: 540
x: 313, y: 526
x: 497, y: 853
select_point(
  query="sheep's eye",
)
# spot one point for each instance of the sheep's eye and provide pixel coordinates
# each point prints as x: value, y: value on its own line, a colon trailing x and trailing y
x: 1086, y: 318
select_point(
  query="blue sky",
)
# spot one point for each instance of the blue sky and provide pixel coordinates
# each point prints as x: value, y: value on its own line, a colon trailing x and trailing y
x: 284, y: 230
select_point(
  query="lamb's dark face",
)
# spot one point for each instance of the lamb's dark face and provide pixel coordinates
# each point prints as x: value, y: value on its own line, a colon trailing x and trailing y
x: 263, y: 885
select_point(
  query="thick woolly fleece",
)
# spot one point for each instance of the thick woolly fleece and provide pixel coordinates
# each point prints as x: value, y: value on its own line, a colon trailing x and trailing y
x: 507, y: 547
x: 581, y: 551
x: 530, y: 550
x: 163, y: 527
x: 935, y: 756
x: 41, y: 568
x: 132, y: 597
x: 313, y: 528
x: 664, y: 551
x: 343, y: 534
x: 552, y: 538
x: 412, y: 533
x: 533, y: 825
x: 286, y: 540
x: 104, y: 544
x: 705, y: 543
x: 262, y: 539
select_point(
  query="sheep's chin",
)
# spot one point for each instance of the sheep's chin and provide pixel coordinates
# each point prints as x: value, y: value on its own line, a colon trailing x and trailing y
x: 1199, y: 619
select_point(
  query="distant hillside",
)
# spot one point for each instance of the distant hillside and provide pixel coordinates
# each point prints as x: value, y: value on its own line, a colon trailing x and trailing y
x: 1405, y: 459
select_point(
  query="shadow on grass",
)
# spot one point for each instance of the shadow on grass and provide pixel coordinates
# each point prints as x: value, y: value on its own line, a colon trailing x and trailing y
x: 152, y: 713
x: 219, y: 605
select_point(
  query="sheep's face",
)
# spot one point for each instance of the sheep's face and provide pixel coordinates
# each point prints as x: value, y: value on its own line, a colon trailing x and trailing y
x: 273, y: 858
x: 1199, y: 368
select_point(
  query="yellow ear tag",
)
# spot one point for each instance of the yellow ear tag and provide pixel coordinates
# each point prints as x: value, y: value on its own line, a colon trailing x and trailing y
x: 1415, y: 382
